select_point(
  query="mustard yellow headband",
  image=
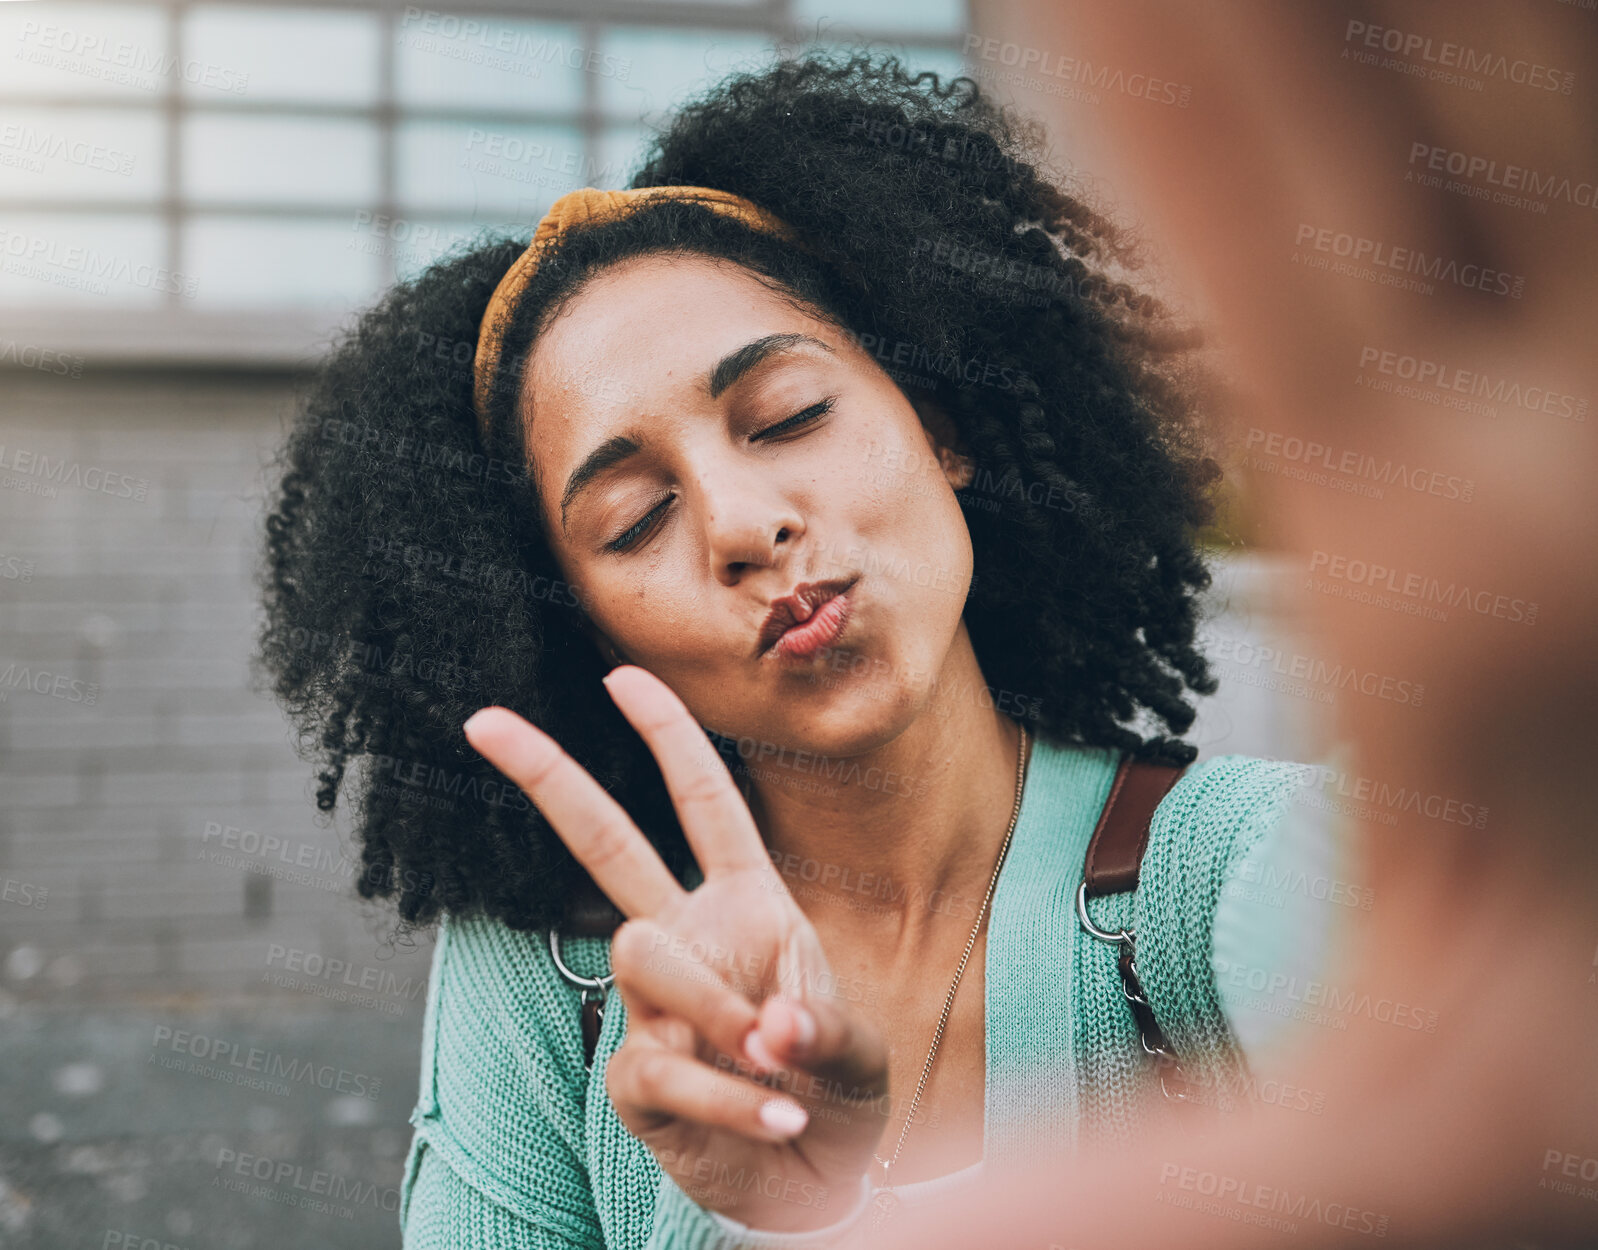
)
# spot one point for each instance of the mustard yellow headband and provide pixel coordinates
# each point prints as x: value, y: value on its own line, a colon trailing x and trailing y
x: 587, y: 205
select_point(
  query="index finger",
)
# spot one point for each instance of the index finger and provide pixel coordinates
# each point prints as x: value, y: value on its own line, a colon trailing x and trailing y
x: 594, y: 827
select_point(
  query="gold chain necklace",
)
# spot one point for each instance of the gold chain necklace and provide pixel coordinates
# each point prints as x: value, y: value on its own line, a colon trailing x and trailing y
x: 884, y: 1201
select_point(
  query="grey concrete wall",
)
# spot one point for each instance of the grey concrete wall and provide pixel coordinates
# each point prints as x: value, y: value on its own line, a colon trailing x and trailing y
x: 157, y: 834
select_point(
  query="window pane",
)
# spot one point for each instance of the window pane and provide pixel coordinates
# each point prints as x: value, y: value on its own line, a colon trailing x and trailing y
x: 272, y: 262
x: 280, y: 54
x: 92, y: 260
x: 484, y: 171
x: 926, y: 17
x: 454, y: 61
x: 464, y: 167
x: 415, y: 243
x: 234, y: 159
x: 946, y: 62
x: 667, y: 65
x: 81, y: 154
x: 84, y: 49
x: 621, y: 152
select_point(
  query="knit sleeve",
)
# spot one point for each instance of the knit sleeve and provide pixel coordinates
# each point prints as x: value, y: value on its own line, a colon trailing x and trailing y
x: 1285, y: 909
x: 446, y: 1213
x: 497, y: 1157
x: 1215, y: 816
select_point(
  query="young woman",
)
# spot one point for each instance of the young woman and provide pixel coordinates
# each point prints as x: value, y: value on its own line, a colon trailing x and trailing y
x: 837, y: 450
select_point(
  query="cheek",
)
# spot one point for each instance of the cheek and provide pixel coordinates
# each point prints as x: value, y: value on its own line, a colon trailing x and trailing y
x: 918, y: 554
x: 669, y: 627
x: 890, y: 483
x: 602, y: 599
x: 908, y: 504
x: 939, y: 558
x: 592, y: 598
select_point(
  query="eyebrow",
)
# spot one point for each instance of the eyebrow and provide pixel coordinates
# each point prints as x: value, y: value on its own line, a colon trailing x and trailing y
x: 726, y: 373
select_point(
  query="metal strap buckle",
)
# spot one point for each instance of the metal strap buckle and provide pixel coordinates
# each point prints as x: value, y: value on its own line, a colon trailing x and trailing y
x: 594, y: 993
x: 1103, y: 935
x: 599, y: 985
x: 1165, y: 1060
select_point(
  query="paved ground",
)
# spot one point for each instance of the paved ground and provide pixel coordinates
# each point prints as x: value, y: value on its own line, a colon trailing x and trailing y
x: 135, y: 1128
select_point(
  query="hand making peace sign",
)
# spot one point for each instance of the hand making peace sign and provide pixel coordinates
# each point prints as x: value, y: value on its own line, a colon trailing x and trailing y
x: 720, y: 983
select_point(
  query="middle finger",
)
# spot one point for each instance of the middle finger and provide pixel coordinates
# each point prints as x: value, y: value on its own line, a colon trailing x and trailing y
x: 714, y: 817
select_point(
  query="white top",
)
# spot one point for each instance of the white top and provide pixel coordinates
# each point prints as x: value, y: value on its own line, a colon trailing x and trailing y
x: 911, y: 1194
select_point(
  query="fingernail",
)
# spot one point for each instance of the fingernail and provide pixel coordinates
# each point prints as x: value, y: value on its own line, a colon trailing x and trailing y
x: 786, y: 1119
x: 805, y: 1026
x: 757, y: 1050
x: 466, y: 725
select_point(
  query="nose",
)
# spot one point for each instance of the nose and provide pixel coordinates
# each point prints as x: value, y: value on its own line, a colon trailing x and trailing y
x: 747, y: 521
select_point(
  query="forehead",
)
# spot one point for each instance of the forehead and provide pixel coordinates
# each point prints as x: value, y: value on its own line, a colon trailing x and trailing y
x: 640, y: 337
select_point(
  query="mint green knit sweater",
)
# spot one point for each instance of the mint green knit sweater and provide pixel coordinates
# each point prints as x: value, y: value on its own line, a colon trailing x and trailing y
x: 517, y: 1146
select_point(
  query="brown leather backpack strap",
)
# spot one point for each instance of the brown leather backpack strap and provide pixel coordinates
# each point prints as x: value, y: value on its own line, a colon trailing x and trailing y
x: 1115, y: 851
x: 592, y: 1020
x: 1114, y: 857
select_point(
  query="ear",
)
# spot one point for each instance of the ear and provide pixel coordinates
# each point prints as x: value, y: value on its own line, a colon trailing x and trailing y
x: 944, y: 439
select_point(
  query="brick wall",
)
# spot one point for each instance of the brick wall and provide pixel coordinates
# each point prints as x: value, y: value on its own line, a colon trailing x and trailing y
x: 157, y: 834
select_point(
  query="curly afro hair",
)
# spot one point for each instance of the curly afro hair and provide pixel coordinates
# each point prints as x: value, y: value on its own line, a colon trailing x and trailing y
x: 407, y: 582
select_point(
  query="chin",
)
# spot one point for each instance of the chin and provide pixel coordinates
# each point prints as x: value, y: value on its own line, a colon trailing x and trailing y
x: 847, y: 718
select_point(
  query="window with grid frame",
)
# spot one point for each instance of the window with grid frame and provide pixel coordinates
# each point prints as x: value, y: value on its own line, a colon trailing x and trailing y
x: 230, y: 179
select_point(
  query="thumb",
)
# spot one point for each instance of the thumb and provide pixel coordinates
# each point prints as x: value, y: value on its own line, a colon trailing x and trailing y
x: 817, y: 1034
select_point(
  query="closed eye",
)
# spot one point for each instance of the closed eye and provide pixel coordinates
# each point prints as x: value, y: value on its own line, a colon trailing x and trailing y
x: 639, y: 528
x: 809, y: 414
x: 642, y: 526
